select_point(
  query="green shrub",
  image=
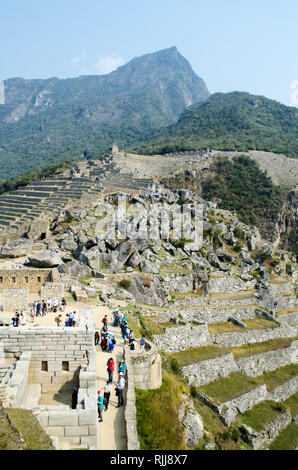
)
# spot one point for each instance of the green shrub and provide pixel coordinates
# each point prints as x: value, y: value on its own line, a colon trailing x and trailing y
x: 124, y: 284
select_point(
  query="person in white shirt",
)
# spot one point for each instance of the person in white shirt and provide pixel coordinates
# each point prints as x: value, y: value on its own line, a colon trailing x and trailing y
x: 120, y: 387
x: 107, y: 394
x: 49, y: 304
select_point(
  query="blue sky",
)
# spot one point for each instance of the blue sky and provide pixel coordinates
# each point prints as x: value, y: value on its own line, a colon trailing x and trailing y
x: 233, y: 45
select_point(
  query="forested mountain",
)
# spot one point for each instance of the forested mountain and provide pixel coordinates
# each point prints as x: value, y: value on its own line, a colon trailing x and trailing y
x: 231, y: 121
x: 43, y: 121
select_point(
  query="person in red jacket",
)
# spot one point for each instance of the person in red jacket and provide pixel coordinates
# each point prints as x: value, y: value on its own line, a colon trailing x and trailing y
x: 110, y: 369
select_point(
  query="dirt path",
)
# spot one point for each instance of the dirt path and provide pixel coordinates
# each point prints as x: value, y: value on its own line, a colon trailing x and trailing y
x: 111, y: 432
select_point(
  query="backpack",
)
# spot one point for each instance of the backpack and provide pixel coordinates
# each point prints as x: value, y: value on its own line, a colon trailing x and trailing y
x: 56, y: 319
x: 132, y: 346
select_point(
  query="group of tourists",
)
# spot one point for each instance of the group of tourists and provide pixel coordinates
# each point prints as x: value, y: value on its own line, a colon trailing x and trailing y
x: 70, y: 319
x: 15, y: 265
x: 41, y: 308
x: 104, y: 398
x: 19, y: 318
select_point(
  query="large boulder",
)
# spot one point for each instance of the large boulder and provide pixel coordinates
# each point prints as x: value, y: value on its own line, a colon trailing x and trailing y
x: 45, y: 259
x: 192, y: 423
x: 122, y: 253
x: 75, y: 269
x: 93, y: 258
x: 68, y: 244
x: 148, y: 290
x: 21, y: 247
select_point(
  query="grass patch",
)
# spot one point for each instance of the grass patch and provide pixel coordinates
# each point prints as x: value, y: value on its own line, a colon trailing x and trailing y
x: 154, y: 327
x: 285, y: 311
x: 260, y: 415
x: 259, y: 324
x: 157, y: 417
x: 232, y: 295
x: 9, y: 436
x: 292, y: 404
x: 279, y: 376
x: 193, y: 355
x: 287, y: 439
x: 223, y: 327
x: 257, y: 348
x: 225, y: 389
x: 84, y: 280
x: 253, y: 324
x: 33, y: 434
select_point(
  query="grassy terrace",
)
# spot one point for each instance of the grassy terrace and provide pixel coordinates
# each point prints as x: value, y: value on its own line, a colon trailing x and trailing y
x: 260, y: 415
x: 287, y: 310
x: 232, y: 296
x: 287, y: 439
x: 158, y: 426
x: 193, y: 355
x: 253, y: 324
x: 23, y: 422
x: 236, y: 384
x: 157, y: 417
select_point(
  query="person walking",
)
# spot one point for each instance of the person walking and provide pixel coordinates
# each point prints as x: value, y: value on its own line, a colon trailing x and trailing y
x: 122, y: 368
x: 43, y: 308
x: 120, y: 388
x: 110, y: 368
x: 38, y: 307
x: 142, y: 343
x: 96, y: 338
x: 107, y: 394
x: 110, y: 345
x: 32, y: 315
x: 100, y: 406
x: 74, y: 398
x: 63, y: 304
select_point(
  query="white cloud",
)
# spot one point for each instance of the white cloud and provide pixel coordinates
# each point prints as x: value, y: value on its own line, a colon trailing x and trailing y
x: 78, y: 58
x: 85, y: 71
x: 108, y: 64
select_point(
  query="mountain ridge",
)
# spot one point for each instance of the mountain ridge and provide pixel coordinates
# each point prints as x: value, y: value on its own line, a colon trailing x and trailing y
x: 231, y: 121
x: 44, y: 120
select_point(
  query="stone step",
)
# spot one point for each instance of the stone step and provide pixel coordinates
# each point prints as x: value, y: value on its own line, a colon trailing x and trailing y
x: 32, y: 396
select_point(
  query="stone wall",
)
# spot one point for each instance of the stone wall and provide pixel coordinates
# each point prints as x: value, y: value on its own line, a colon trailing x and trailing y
x: 130, y: 413
x: 75, y: 428
x: 14, y: 383
x: 228, y: 284
x: 209, y: 370
x: 262, y: 439
x: 57, y: 352
x: 248, y: 400
x: 13, y: 299
x: 53, y: 356
x: 52, y: 290
x: 26, y: 278
x: 253, y: 336
x: 268, y: 361
x: 146, y: 367
x: 284, y: 391
x: 181, y: 338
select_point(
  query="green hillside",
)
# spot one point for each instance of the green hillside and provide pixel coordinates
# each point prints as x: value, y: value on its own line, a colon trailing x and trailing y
x: 230, y: 121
